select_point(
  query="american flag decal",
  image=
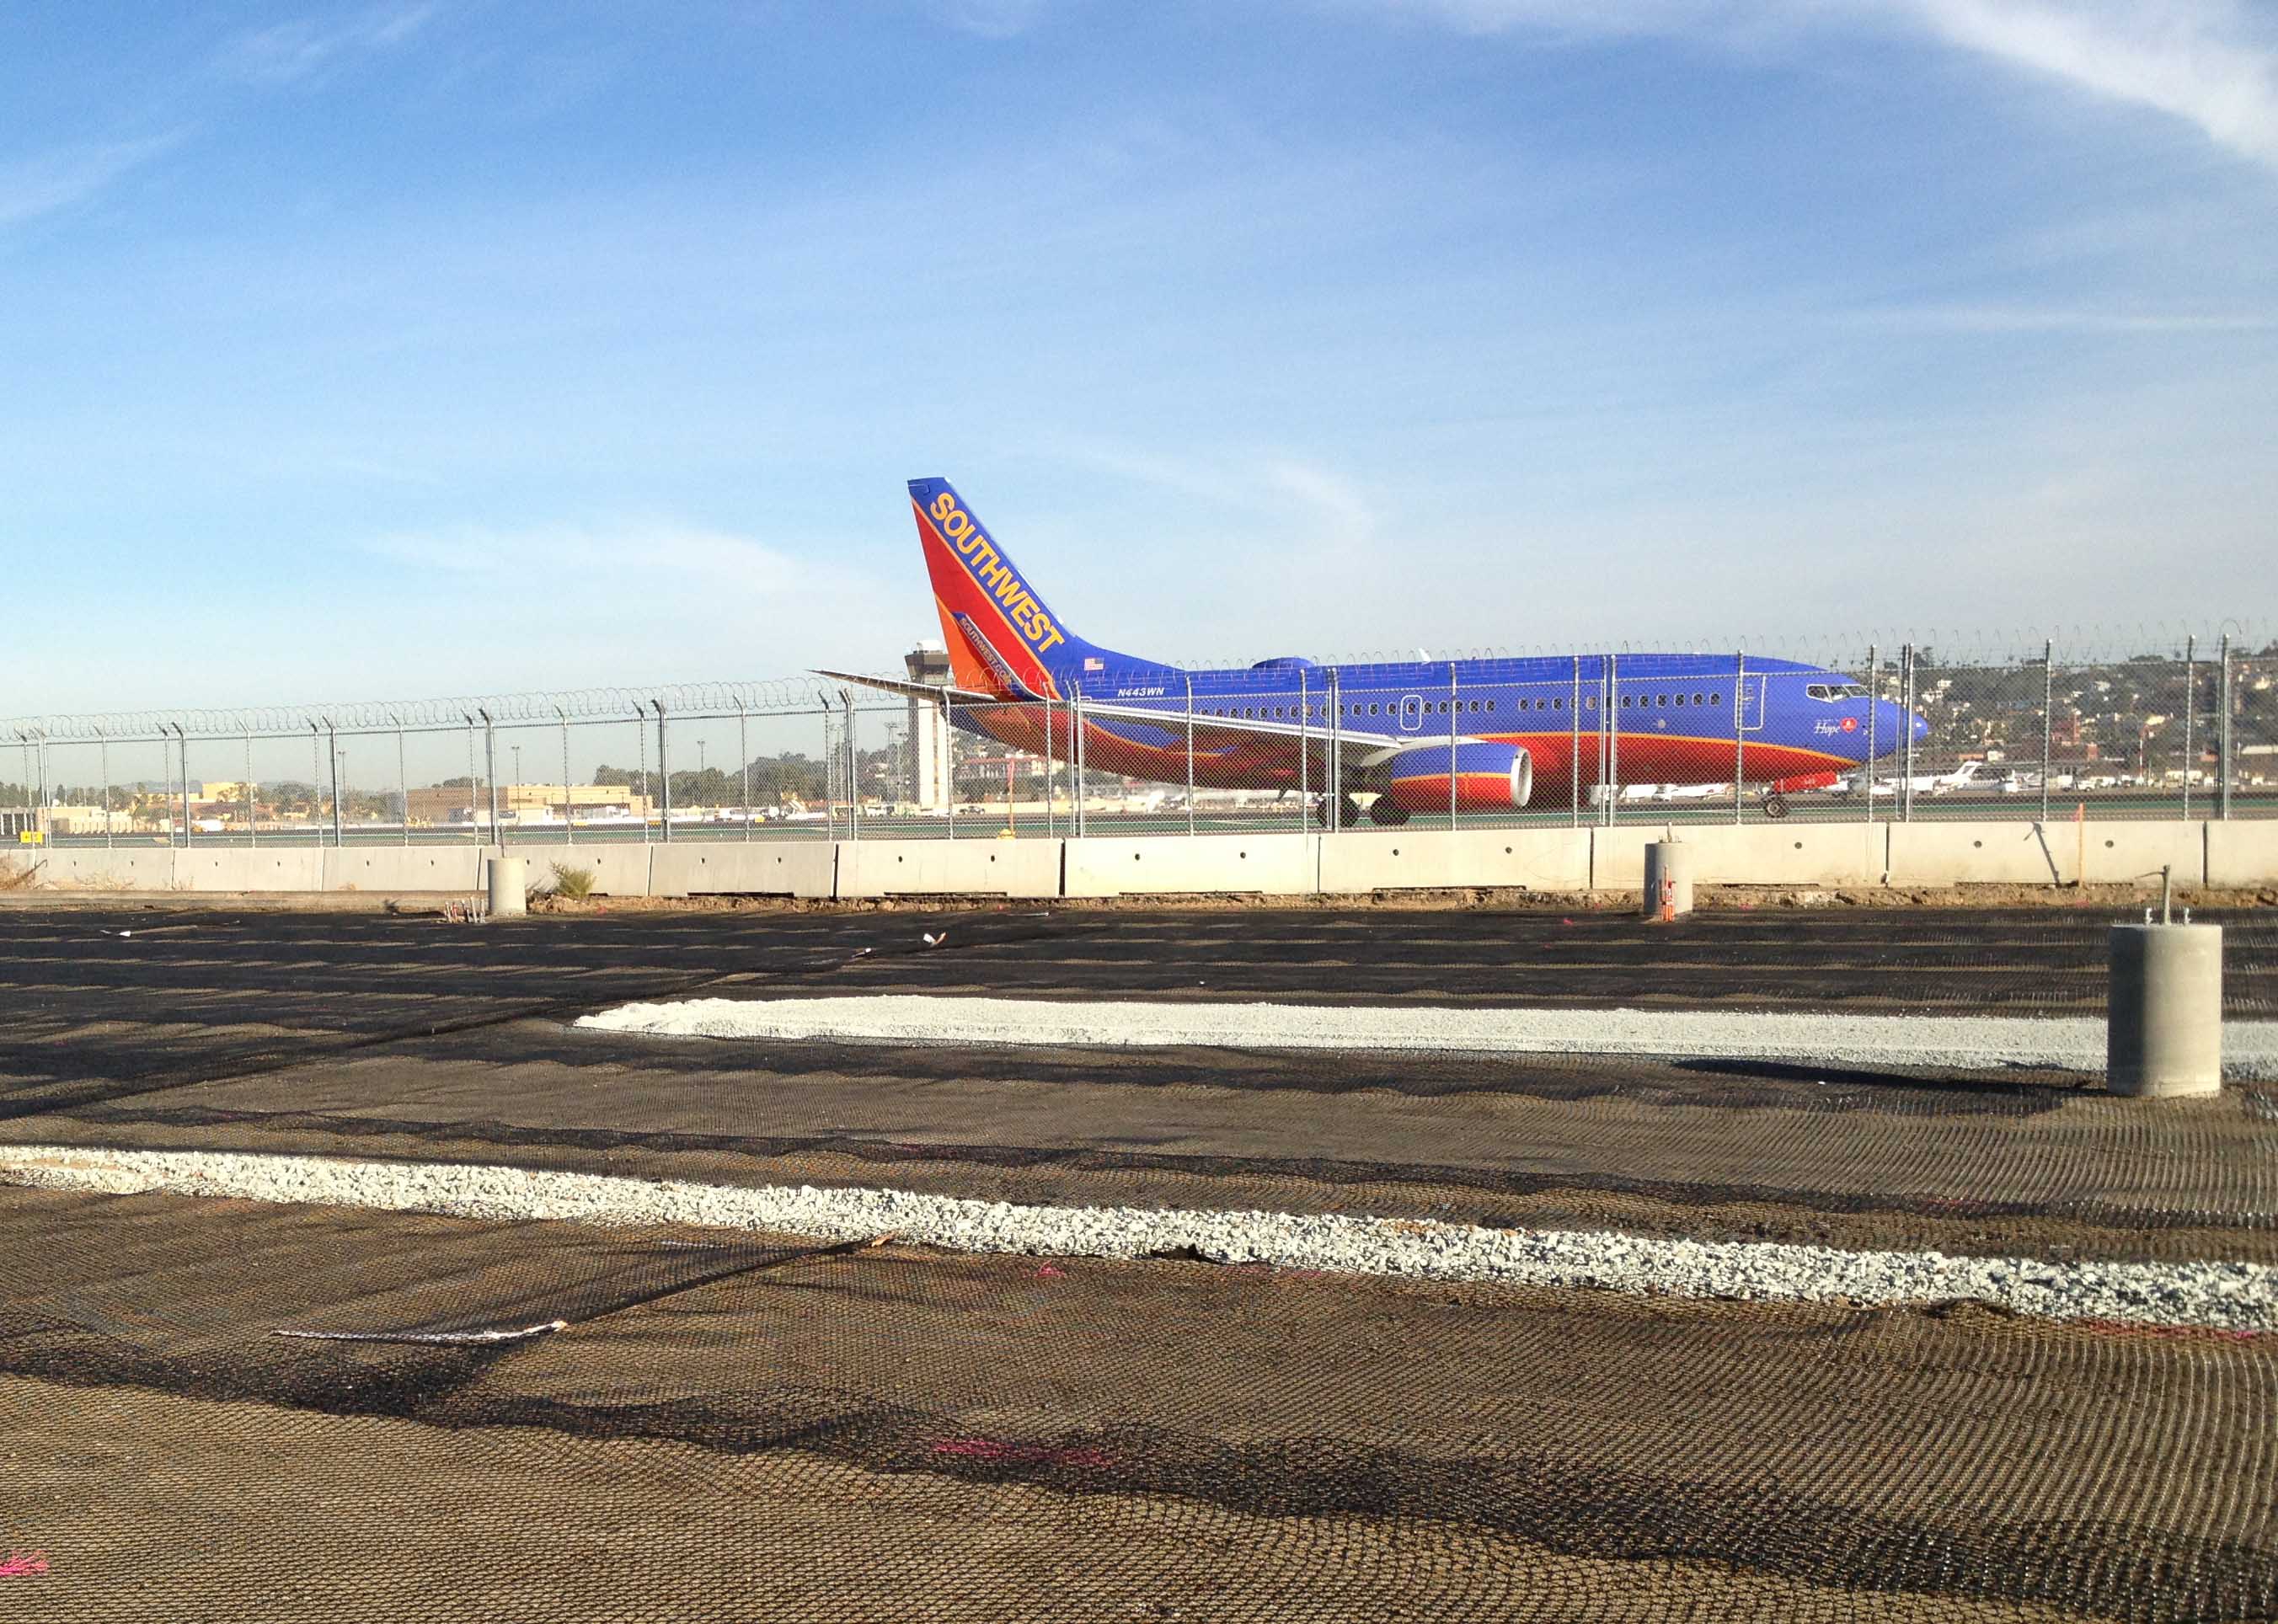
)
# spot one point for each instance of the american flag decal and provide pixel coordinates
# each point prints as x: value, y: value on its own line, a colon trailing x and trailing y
x: 1093, y: 663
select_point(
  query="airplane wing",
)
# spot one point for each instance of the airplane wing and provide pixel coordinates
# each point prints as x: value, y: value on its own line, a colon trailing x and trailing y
x: 1374, y: 747
x: 917, y: 690
x: 1362, y: 748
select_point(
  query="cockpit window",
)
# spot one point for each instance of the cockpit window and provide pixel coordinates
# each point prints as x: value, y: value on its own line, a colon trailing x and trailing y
x: 1834, y: 690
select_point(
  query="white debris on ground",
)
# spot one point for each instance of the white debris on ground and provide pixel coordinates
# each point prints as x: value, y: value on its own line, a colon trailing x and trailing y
x: 1962, y: 1043
x: 2231, y: 1296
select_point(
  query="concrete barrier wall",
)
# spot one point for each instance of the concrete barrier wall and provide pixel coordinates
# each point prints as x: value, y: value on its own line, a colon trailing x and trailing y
x: 758, y: 868
x: 949, y: 867
x: 1844, y: 854
x: 404, y: 868
x: 90, y: 869
x: 1534, y: 860
x: 1276, y: 864
x: 2242, y: 853
x: 290, y: 868
x: 1348, y: 862
x: 618, y: 870
x: 2119, y: 852
x: 1980, y: 853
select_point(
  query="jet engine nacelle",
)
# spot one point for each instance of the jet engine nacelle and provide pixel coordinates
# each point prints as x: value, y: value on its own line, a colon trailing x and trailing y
x: 1489, y: 777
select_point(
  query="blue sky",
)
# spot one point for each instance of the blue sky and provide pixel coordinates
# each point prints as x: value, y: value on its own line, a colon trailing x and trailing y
x: 422, y: 349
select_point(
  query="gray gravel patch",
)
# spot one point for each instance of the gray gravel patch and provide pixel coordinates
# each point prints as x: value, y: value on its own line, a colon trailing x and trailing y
x: 1956, y: 1043
x: 2226, y: 1295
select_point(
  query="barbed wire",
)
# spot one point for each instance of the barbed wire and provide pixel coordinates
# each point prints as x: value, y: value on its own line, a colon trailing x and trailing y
x: 811, y: 694
x: 774, y: 696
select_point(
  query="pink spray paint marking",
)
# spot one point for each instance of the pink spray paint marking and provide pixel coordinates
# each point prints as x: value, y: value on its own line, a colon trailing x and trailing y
x: 1008, y: 1453
x: 21, y: 1566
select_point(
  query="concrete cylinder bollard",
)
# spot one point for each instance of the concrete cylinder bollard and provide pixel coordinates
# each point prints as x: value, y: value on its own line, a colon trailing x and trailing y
x: 1667, y: 880
x: 2164, y: 1037
x: 508, y: 883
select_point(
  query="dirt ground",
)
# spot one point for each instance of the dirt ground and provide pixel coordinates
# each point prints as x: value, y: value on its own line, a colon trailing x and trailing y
x: 776, y: 1430
x: 746, y: 1427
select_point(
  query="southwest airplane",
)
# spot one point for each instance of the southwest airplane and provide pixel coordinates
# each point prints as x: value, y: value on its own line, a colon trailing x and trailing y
x: 1465, y: 735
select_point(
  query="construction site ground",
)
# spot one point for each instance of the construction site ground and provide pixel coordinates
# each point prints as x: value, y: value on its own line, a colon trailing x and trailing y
x: 738, y: 1426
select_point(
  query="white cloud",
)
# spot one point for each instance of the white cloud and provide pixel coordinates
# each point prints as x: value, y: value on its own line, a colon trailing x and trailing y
x: 2212, y: 62
x: 2069, y: 319
x: 993, y: 19
x: 56, y: 179
x: 306, y: 49
x: 1340, y: 512
x: 658, y: 556
x: 2203, y: 61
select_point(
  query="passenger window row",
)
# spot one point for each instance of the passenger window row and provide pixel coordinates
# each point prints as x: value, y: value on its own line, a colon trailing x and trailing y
x: 1441, y: 707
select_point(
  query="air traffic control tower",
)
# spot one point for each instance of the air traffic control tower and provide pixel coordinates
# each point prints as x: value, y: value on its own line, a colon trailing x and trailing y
x: 929, y: 730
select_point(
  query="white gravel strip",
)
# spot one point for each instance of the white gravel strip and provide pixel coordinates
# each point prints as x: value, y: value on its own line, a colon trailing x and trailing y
x: 2249, y: 1048
x: 2233, y: 1296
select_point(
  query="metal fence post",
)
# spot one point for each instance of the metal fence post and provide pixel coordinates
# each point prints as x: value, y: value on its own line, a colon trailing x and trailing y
x: 1741, y: 733
x: 1613, y: 739
x: 181, y: 765
x: 2222, y: 735
x: 568, y: 802
x: 743, y: 754
x: 44, y: 818
x: 1454, y: 724
x: 102, y: 750
x: 664, y: 768
x: 2191, y: 693
x: 402, y: 783
x: 640, y: 744
x: 2048, y: 720
x: 1904, y: 798
x: 1574, y: 751
x: 1304, y: 748
x: 490, y: 774
x: 1191, y: 755
x: 1605, y: 703
x: 332, y: 745
x: 472, y: 826
x: 1336, y: 787
x: 1075, y: 706
x: 1874, y: 705
x: 947, y: 724
x: 854, y: 771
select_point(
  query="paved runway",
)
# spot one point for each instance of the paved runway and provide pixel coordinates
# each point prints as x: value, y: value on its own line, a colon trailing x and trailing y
x: 769, y: 1430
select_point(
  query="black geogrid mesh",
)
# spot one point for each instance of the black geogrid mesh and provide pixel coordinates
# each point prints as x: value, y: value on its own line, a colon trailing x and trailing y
x: 773, y: 1429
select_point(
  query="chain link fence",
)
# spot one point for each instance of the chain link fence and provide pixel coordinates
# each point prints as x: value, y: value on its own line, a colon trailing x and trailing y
x: 2189, y: 731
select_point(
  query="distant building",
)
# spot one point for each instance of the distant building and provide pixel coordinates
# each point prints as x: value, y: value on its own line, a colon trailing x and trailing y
x: 532, y: 802
x: 89, y: 819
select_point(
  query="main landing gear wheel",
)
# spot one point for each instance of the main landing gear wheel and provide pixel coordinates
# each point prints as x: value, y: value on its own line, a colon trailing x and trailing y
x: 1775, y: 805
x: 1384, y: 814
x: 1348, y: 812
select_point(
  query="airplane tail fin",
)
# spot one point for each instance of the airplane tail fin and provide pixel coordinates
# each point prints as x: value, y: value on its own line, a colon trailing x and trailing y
x: 1003, y: 638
